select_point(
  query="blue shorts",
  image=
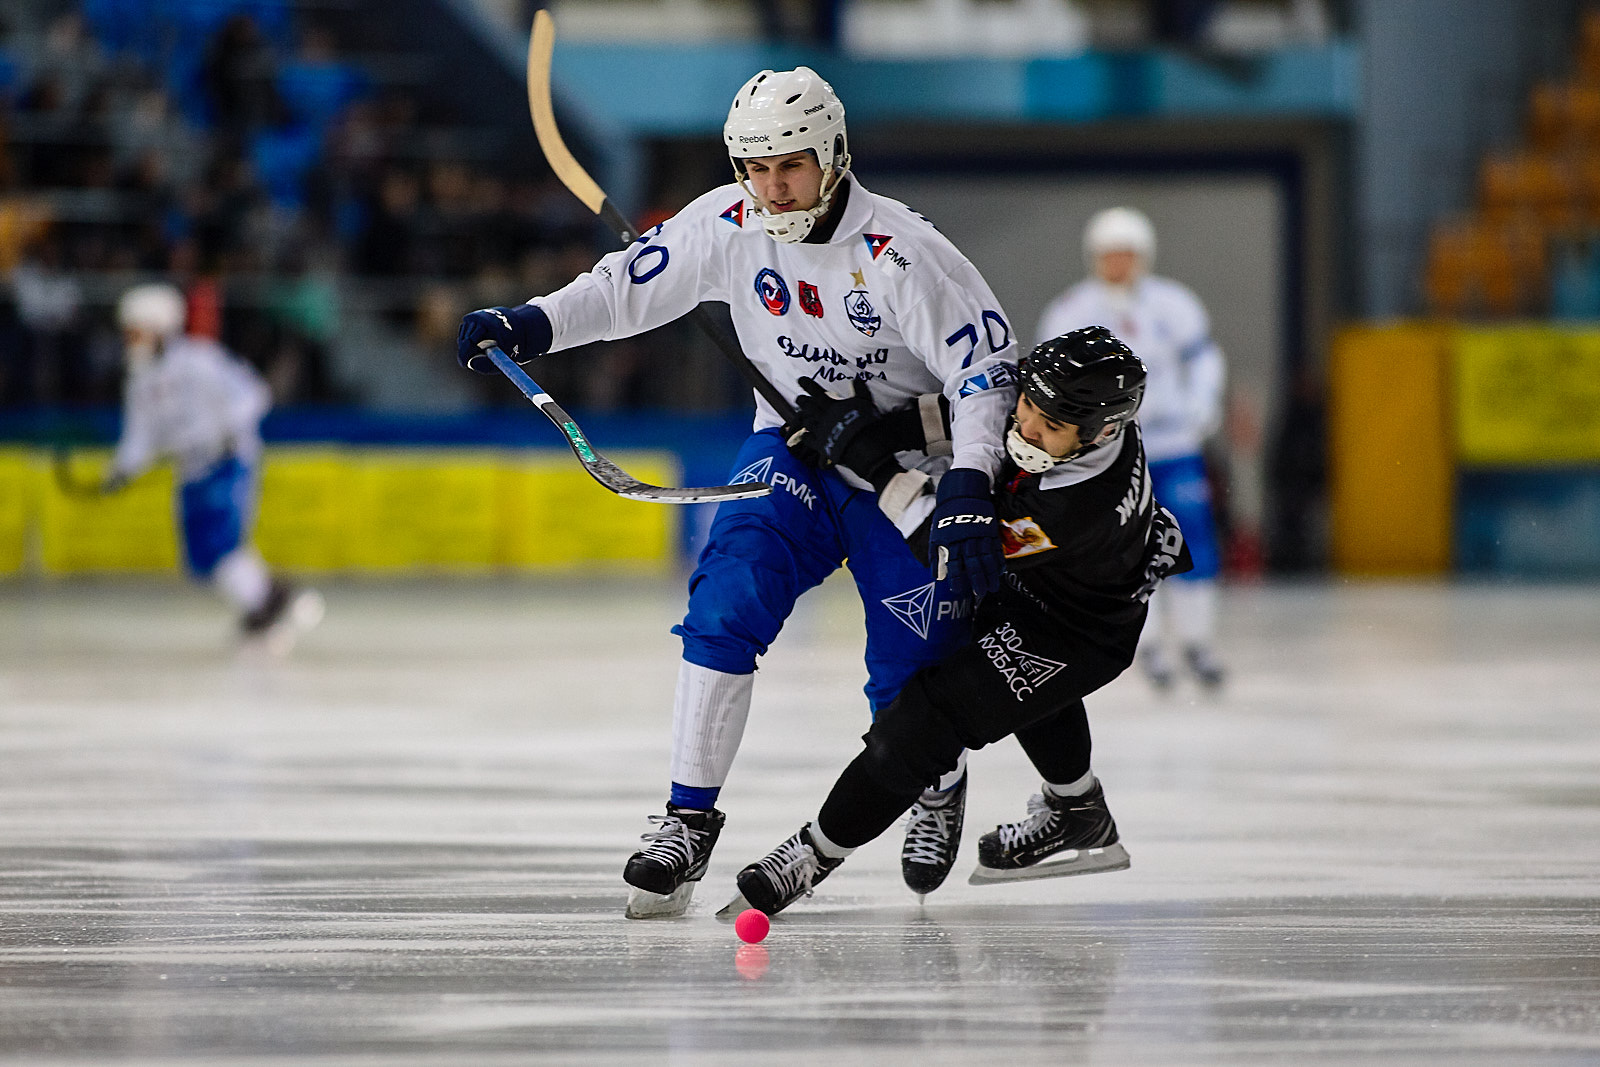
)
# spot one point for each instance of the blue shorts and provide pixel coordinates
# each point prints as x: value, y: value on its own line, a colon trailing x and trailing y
x: 1181, y: 485
x: 215, y: 514
x: 763, y: 553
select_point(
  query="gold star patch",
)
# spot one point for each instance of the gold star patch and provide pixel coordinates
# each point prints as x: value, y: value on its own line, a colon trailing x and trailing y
x: 860, y: 279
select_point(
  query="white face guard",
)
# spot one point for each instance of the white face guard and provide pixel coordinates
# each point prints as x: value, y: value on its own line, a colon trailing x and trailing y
x: 1035, y: 460
x: 1030, y: 458
x: 776, y: 113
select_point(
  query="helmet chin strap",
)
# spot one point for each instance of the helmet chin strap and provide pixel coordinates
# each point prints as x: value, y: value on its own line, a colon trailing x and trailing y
x: 792, y: 227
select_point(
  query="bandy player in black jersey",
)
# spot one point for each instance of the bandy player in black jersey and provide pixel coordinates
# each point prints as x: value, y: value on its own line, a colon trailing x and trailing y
x: 1086, y: 544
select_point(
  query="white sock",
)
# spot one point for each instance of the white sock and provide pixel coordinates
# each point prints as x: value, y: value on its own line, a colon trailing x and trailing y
x: 952, y: 779
x: 1153, y: 641
x: 1072, y: 789
x: 828, y: 849
x: 1193, y: 606
x: 243, y: 579
x: 708, y: 717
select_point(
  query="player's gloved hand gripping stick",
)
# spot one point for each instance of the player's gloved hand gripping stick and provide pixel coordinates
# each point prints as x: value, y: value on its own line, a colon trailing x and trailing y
x: 599, y: 467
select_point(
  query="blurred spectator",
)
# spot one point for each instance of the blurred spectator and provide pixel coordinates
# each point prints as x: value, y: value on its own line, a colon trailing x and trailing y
x: 386, y: 246
x: 49, y: 365
x: 316, y: 85
x: 305, y: 307
x: 240, y: 75
x: 804, y: 21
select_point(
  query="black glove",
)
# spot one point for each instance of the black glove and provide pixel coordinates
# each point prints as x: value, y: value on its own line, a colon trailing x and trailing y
x: 522, y: 332
x: 849, y: 433
x: 964, y: 535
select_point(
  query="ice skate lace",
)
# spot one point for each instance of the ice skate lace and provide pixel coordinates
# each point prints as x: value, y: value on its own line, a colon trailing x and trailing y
x: 927, y: 831
x: 672, y: 843
x: 791, y: 868
x: 1039, y: 816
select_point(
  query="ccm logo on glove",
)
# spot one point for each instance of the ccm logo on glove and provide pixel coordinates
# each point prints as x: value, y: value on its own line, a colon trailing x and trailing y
x: 955, y: 520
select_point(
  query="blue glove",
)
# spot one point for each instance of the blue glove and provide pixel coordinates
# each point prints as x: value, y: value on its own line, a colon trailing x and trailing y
x: 964, y: 535
x: 522, y: 332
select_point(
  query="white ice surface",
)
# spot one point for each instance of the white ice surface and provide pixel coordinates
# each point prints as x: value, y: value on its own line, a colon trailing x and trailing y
x: 403, y: 844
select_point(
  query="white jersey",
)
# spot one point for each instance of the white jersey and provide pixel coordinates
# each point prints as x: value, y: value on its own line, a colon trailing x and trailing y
x: 1166, y: 326
x: 195, y: 403
x: 887, y: 300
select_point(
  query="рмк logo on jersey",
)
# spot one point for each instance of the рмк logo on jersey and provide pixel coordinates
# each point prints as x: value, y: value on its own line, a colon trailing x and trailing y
x: 734, y: 214
x: 773, y: 290
x: 876, y: 242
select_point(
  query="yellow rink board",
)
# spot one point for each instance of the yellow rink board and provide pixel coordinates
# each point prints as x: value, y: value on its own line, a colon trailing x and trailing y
x: 377, y: 511
x: 1391, y: 472
x: 19, y: 479
x: 1527, y: 395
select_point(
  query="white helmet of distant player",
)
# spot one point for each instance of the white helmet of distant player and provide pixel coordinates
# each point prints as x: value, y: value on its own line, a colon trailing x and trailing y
x: 789, y: 111
x: 156, y: 309
x: 1120, y: 229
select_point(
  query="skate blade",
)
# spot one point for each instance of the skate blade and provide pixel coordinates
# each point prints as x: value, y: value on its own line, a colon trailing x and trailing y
x: 302, y: 614
x: 643, y: 904
x: 735, y: 907
x: 1076, y: 861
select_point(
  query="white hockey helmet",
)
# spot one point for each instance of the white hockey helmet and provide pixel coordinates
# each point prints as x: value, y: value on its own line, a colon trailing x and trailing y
x: 778, y: 112
x: 155, y: 308
x: 1119, y: 229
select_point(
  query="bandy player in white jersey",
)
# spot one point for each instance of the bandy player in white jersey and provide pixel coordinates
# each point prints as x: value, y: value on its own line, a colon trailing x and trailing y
x: 1167, y: 326
x: 188, y: 399
x: 826, y: 281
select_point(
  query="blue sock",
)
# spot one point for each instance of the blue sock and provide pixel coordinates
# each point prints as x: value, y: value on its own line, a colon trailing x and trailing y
x: 688, y: 796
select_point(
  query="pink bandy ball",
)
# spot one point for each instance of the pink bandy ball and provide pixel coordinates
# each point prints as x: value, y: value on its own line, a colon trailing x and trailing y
x: 751, y: 926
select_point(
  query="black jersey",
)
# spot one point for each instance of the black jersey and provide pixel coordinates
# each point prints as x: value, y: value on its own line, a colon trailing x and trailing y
x: 1086, y: 541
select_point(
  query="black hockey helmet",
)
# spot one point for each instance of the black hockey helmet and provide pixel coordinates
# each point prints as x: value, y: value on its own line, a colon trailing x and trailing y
x: 1087, y: 377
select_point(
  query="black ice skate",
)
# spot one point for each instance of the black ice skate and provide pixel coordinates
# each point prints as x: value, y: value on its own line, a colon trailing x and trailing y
x: 663, y: 873
x: 1060, y: 836
x: 283, y: 616
x: 781, y: 877
x: 1157, y: 668
x: 933, y: 834
x: 1205, y: 668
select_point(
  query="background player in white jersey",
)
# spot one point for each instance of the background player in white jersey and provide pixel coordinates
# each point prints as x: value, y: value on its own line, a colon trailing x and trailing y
x: 1167, y: 326
x: 188, y: 399
x: 824, y: 280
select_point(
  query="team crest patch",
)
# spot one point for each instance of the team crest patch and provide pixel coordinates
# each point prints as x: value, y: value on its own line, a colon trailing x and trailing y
x: 863, y: 316
x: 1024, y: 537
x: 876, y: 242
x: 773, y: 291
x: 734, y: 214
x: 810, y: 300
x: 914, y: 607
